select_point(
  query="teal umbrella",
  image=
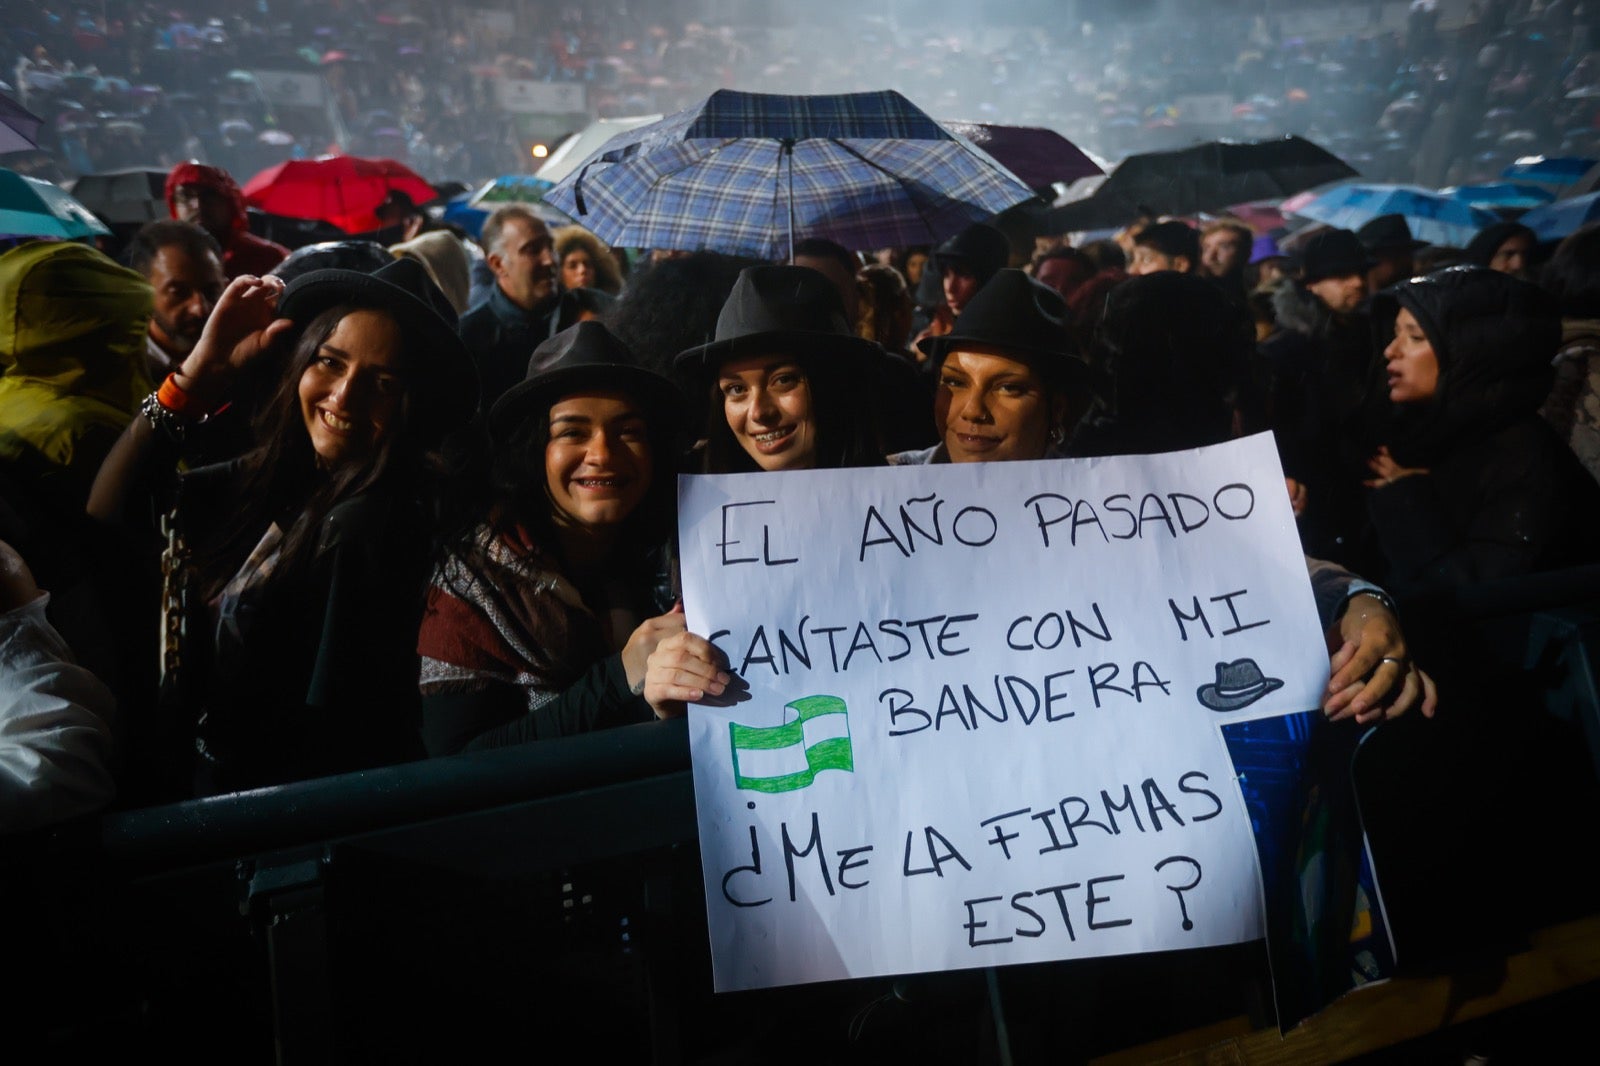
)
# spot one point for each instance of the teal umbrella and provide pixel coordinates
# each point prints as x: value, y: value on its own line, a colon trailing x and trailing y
x: 33, y: 208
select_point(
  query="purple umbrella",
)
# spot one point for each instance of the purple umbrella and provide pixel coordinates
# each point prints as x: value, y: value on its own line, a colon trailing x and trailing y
x: 19, y: 127
x: 1040, y: 157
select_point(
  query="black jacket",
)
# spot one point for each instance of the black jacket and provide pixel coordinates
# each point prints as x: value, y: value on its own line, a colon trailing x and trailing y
x: 1503, y: 494
x: 1316, y: 374
x: 501, y: 337
x: 321, y: 677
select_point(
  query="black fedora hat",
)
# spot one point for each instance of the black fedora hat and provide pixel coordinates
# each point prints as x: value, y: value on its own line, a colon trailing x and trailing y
x: 1388, y: 233
x: 1239, y: 684
x: 789, y: 309
x: 1333, y: 253
x: 587, y: 356
x: 402, y: 289
x: 1023, y: 318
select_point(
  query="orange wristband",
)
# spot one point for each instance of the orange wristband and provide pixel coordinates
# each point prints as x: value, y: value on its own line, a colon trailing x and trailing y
x: 174, y: 399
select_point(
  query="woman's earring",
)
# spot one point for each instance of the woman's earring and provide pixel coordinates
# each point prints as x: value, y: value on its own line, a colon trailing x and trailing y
x: 1057, y: 434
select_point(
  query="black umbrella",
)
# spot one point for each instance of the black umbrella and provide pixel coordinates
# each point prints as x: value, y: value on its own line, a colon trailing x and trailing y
x: 1205, y: 177
x: 124, y: 197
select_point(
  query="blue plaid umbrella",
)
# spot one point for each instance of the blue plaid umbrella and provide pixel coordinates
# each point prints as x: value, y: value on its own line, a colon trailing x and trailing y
x: 744, y: 173
x: 1431, y: 217
x: 1564, y: 217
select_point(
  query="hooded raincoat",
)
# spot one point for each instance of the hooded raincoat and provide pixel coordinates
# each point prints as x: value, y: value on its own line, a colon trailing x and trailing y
x: 72, y: 369
x: 242, y: 251
x: 1503, y: 494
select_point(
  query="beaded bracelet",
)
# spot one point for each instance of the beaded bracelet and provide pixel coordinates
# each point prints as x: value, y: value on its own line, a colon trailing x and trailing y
x: 163, y: 419
x: 171, y: 411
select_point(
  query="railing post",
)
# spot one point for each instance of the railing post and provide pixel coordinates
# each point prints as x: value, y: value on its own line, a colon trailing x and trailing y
x: 286, y: 898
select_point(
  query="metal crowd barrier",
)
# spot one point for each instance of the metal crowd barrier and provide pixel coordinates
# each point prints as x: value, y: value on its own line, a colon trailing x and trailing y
x: 275, y: 875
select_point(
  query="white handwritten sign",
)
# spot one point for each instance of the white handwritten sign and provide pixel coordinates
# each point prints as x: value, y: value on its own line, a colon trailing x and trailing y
x: 980, y: 721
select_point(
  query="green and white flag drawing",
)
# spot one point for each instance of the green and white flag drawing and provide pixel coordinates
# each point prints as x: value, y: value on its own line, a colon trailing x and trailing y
x: 783, y: 758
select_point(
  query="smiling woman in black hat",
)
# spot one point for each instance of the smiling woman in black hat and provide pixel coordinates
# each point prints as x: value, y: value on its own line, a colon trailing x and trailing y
x: 309, y: 555
x: 788, y: 379
x: 1010, y: 384
x: 547, y: 616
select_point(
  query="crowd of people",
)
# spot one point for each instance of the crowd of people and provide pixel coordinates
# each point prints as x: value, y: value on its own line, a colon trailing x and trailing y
x: 388, y: 509
x: 1473, y: 85
x: 268, y: 515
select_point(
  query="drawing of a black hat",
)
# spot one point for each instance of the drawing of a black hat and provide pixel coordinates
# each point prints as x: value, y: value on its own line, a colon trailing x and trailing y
x: 1239, y: 684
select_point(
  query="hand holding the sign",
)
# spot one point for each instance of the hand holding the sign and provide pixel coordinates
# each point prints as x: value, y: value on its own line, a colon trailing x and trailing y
x: 642, y: 644
x: 669, y: 666
x: 1388, y: 471
x: 1297, y: 495
x: 1373, y: 676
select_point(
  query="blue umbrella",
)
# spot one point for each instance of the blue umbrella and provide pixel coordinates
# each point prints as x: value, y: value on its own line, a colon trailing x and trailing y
x: 524, y: 189
x: 1432, y: 217
x: 458, y: 211
x: 744, y: 173
x: 33, y: 208
x: 513, y: 188
x: 1554, y: 221
x: 1551, y: 170
x: 1502, y: 194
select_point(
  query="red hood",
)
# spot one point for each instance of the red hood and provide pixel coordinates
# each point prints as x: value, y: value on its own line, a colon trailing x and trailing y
x: 192, y: 173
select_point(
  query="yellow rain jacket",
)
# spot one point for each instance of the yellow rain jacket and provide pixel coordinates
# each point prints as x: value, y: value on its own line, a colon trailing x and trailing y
x: 72, y: 373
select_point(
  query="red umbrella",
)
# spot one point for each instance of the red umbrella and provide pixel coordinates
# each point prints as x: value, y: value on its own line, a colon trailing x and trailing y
x: 343, y: 189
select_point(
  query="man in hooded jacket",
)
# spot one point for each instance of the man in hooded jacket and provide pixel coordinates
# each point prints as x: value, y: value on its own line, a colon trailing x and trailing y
x: 210, y: 198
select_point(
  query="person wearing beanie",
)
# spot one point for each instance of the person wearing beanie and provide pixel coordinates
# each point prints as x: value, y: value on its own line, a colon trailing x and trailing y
x: 1317, y: 369
x: 1268, y: 264
x: 968, y: 260
x: 1391, y: 248
x: 1165, y: 246
x: 964, y: 264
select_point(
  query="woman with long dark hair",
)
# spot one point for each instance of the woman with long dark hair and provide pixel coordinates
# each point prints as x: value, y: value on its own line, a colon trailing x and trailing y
x: 309, y: 554
x: 787, y: 378
x: 552, y: 612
